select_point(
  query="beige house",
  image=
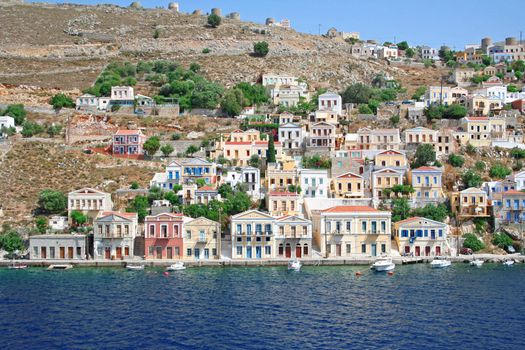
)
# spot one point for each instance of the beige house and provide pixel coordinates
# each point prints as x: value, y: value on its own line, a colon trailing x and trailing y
x: 293, y: 237
x: 201, y: 238
x: 348, y: 231
x: 280, y: 203
x: 281, y: 175
x: 252, y: 235
x: 383, y: 179
x: 390, y: 158
x: 114, y: 235
x: 470, y: 203
x: 240, y: 152
x: 349, y: 185
x: 89, y: 202
x: 322, y: 135
x: 481, y: 130
x: 419, y: 135
x: 378, y: 139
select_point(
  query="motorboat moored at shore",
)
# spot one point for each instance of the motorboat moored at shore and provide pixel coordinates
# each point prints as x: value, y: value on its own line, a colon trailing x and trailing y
x: 133, y: 267
x: 14, y: 266
x: 438, y: 263
x: 294, y: 265
x: 179, y: 265
x: 383, y: 264
x: 477, y: 262
x: 508, y: 262
x: 60, y: 267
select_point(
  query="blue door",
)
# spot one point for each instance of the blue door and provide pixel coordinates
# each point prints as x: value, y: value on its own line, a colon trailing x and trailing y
x: 197, y: 253
x: 258, y: 252
x: 249, y: 252
x: 374, y: 249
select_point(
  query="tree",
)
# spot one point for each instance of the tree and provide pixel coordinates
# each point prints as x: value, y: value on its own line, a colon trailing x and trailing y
x: 518, y: 75
x: 232, y: 102
x: 456, y: 160
x: 365, y: 109
x: 254, y: 161
x: 394, y: 120
x: 400, y: 209
x: 454, y: 111
x: 499, y: 171
x: 200, y: 183
x: 420, y: 92
x: 134, y: 185
x: 140, y: 206
x: 425, y: 154
x: 167, y: 149
x: 30, y: 129
x: 502, y: 240
x: 191, y: 150
x: 402, y: 46
x: 151, y: 146
x: 512, y: 88
x: 52, y: 202
x: 17, y: 111
x: 225, y: 190
x: 357, y: 93
x: 472, y: 241
x: 54, y: 129
x: 41, y: 224
x: 214, y: 20
x: 59, y: 101
x: 172, y: 197
x: 518, y: 66
x: 486, y: 60
x: 432, y: 212
x: 253, y: 94
x: 471, y: 179
x: 156, y: 34
x: 261, y: 49
x: 271, y: 150
x: 78, y: 218
x: 410, y: 52
x: 11, y: 241
x: 434, y: 112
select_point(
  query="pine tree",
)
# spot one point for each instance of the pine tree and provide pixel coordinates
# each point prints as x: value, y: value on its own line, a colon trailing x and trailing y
x: 271, y: 149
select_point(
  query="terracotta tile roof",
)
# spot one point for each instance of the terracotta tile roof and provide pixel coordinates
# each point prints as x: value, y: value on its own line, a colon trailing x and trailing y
x: 350, y: 209
x: 283, y: 194
x: 510, y: 192
x: 127, y: 132
x: 427, y: 168
x: 476, y: 118
x: 118, y: 213
x: 206, y: 188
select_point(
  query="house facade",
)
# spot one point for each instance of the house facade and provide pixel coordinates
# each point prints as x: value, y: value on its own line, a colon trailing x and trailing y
x: 293, y: 237
x: 252, y: 235
x: 89, y: 202
x: 314, y: 183
x: 283, y: 203
x: 349, y: 185
x: 322, y: 134
x: 163, y: 236
x: 470, y: 203
x: 419, y: 236
x: 128, y: 142
x: 291, y: 137
x: 58, y: 247
x: 427, y: 182
x: 114, y: 235
x: 201, y: 239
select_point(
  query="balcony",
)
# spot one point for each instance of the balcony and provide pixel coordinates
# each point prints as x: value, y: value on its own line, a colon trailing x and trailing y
x: 202, y: 240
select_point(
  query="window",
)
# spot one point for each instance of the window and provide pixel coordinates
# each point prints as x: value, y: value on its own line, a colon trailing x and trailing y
x: 383, y: 248
x: 268, y: 250
x: 363, y: 248
x: 35, y: 252
x: 188, y: 234
x: 363, y: 226
x: 239, y: 250
x: 348, y: 248
x: 151, y: 251
x: 239, y: 229
x: 79, y: 252
x: 348, y: 226
x: 188, y: 252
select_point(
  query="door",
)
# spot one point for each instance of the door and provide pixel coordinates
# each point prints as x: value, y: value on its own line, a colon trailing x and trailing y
x: 248, y: 252
x: 119, y: 252
x: 62, y: 252
x: 107, y: 253
x: 126, y: 251
x: 298, y: 251
x: 374, y: 249
x: 338, y: 250
x: 288, y: 251
x: 418, y: 251
x: 169, y: 253
x: 258, y: 252
x: 70, y: 252
x: 43, y: 253
x: 159, y: 253
x: 438, y: 250
x: 427, y: 251
x: 407, y: 249
x: 206, y: 253
x: 197, y: 253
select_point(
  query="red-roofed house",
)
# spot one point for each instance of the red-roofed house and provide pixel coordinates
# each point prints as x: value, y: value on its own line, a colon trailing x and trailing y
x: 240, y: 152
x: 347, y: 231
x: 128, y: 142
x: 421, y: 236
x: 283, y: 203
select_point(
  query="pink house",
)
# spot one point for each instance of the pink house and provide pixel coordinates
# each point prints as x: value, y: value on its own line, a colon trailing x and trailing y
x: 163, y: 236
x: 128, y: 142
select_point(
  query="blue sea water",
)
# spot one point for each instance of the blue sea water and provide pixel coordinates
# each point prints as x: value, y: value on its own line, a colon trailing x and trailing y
x: 264, y: 308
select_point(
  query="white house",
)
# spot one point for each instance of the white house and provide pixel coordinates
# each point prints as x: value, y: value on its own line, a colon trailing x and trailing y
x: 429, y: 53
x: 330, y: 101
x: 520, y: 180
x: 57, y: 223
x: 7, y: 122
x: 250, y: 176
x: 114, y: 235
x: 314, y: 183
x: 122, y: 93
x: 291, y: 136
x: 86, y: 102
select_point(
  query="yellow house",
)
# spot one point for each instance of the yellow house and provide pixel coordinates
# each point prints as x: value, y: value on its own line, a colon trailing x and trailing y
x: 240, y: 152
x: 383, y: 179
x: 349, y: 185
x: 201, y: 239
x: 245, y: 136
x: 348, y: 231
x: 327, y: 117
x: 390, y: 158
x: 283, y: 203
x: 281, y: 175
x: 471, y: 202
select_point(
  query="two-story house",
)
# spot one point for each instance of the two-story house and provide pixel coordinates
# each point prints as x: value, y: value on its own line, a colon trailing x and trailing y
x: 247, y: 176
x: 252, y: 235
x: 512, y: 208
x: 421, y: 236
x: 279, y: 176
x: 291, y: 137
x: 378, y: 139
x: 293, y: 237
x: 201, y: 239
x: 89, y: 202
x: 114, y: 235
x: 383, y: 179
x: 128, y: 142
x: 427, y: 182
x: 348, y: 231
x: 322, y: 134
x: 348, y: 185
x: 184, y: 171
x: 163, y: 238
x: 280, y: 203
x: 470, y: 203
x: 314, y: 183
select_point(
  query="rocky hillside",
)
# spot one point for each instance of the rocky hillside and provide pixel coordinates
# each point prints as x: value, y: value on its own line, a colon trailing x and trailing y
x: 66, y: 46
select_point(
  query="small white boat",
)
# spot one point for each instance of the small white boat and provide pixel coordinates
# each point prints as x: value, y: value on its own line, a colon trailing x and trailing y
x: 134, y: 267
x: 179, y: 265
x: 438, y: 263
x: 294, y: 265
x: 508, y: 262
x: 477, y: 262
x: 383, y: 264
x: 14, y: 266
x: 60, y: 267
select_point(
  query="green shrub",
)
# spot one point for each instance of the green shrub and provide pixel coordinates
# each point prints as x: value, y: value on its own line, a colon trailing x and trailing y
x: 502, y: 240
x: 205, y: 50
x: 261, y: 49
x: 471, y: 241
x: 499, y: 171
x: 214, y: 20
x: 456, y: 161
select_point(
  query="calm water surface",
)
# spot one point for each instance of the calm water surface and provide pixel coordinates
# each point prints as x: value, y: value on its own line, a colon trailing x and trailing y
x: 264, y: 308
